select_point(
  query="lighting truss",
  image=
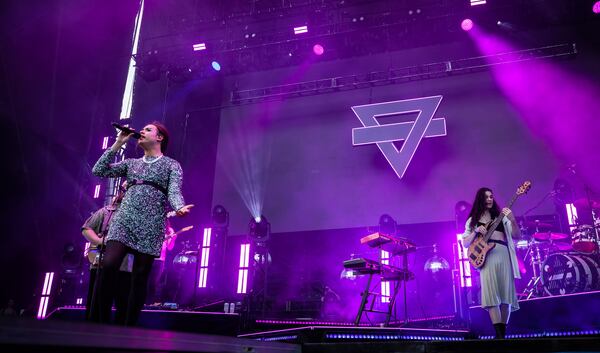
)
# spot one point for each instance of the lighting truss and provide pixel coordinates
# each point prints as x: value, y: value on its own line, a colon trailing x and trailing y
x: 399, y: 75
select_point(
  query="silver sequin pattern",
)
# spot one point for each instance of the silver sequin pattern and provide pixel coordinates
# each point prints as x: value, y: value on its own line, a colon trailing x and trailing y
x: 140, y: 221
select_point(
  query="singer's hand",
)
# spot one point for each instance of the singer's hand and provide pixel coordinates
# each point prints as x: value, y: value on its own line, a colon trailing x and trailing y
x: 122, y: 139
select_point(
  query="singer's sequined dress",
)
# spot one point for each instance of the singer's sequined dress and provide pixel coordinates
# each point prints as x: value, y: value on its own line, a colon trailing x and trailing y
x: 140, y: 221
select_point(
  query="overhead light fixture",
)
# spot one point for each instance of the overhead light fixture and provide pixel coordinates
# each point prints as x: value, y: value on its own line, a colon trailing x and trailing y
x: 199, y: 46
x: 301, y: 29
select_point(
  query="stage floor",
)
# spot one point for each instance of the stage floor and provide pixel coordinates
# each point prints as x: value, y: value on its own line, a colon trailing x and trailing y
x: 23, y: 335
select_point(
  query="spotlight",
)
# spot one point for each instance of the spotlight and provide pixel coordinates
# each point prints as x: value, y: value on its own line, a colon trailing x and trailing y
x: 318, y: 49
x: 216, y: 66
x: 596, y: 7
x: 387, y: 225
x: 220, y: 216
x: 71, y: 259
x: 259, y: 229
x: 466, y: 24
x: 462, y: 207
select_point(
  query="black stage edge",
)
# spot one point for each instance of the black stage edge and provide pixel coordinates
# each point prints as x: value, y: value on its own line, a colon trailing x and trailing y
x: 323, y: 334
x: 571, y: 344
x: 183, y: 321
x: 545, y: 316
x: 28, y: 335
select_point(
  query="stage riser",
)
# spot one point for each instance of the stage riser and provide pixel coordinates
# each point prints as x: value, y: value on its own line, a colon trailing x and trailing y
x: 551, y: 314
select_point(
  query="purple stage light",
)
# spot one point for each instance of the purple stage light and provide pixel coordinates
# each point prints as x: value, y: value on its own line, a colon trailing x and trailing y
x: 596, y: 7
x: 97, y: 191
x: 466, y: 24
x: 204, y: 258
x: 216, y: 66
x: 46, y: 290
x: 243, y: 268
x: 477, y: 2
x: 318, y: 49
x: 463, y: 260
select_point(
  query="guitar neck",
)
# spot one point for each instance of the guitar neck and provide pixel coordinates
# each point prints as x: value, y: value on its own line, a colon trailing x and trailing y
x: 499, y: 219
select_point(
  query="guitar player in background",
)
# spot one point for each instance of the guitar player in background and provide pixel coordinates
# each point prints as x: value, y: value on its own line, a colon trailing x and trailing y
x: 498, y: 293
x: 94, y: 229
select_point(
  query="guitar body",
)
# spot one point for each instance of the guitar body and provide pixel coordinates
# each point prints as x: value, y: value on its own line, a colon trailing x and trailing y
x: 478, y: 251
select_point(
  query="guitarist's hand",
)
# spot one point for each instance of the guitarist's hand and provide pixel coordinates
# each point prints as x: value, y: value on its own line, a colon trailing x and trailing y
x: 481, y: 230
x: 508, y: 213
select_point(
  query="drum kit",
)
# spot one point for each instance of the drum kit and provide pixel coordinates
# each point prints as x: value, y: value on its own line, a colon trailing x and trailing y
x: 562, y: 263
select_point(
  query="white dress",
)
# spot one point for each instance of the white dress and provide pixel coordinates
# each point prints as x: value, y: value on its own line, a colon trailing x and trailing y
x: 498, y: 274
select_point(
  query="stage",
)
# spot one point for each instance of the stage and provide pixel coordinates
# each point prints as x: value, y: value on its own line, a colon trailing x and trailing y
x: 301, y: 175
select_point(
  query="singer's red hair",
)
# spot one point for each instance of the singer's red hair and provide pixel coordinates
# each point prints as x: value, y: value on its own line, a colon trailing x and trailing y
x: 162, y: 131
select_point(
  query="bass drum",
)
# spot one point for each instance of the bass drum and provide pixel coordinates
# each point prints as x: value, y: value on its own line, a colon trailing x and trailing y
x: 565, y: 273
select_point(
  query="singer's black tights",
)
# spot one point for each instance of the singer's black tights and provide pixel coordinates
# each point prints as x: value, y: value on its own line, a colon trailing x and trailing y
x: 142, y: 264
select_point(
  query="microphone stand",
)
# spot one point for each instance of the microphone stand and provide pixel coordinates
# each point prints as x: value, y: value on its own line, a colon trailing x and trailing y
x: 95, y: 297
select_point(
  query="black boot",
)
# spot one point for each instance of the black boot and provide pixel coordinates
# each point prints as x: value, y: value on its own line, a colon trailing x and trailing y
x: 500, y: 330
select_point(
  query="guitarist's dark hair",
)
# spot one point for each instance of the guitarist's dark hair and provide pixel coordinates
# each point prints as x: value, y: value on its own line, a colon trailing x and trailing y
x: 479, y: 207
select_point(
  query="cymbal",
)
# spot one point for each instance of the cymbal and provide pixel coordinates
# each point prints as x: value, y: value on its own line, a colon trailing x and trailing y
x: 537, y: 224
x: 584, y: 203
x: 549, y: 236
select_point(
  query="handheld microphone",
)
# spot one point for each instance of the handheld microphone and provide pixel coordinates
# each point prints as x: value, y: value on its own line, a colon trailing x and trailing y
x: 127, y: 130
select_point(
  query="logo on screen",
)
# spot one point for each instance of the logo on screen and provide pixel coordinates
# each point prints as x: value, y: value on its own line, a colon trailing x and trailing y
x: 410, y: 133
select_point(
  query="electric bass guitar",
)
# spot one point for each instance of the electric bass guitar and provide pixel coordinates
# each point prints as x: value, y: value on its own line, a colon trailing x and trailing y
x: 480, y: 247
x: 93, y: 254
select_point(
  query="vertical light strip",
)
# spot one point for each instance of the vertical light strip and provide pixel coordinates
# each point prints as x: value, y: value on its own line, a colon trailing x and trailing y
x: 50, y: 283
x: 97, y: 191
x: 385, y: 285
x: 86, y: 251
x: 45, y: 298
x: 128, y: 94
x: 571, y: 215
x: 243, y: 269
x: 205, y: 253
x: 463, y: 263
x: 41, y: 308
x: 46, y: 280
x: 105, y: 142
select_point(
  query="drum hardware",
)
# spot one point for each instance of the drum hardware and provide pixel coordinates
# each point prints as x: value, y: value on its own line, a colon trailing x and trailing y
x: 585, y: 239
x: 586, y: 204
x: 536, y: 225
x: 536, y: 256
x: 543, y: 236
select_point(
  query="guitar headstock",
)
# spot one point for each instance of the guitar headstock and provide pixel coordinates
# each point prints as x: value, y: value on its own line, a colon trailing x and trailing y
x: 524, y: 188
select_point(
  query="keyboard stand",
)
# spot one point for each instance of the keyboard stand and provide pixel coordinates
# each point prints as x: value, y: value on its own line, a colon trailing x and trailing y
x: 372, y: 295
